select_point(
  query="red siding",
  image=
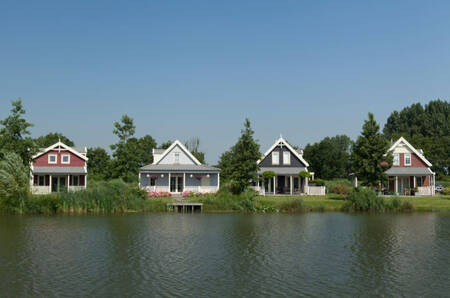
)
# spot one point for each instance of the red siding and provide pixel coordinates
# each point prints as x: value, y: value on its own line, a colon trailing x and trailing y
x: 75, y: 161
x: 415, y: 161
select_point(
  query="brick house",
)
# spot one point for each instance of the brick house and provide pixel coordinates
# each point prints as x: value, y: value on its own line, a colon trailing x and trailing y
x: 410, y: 170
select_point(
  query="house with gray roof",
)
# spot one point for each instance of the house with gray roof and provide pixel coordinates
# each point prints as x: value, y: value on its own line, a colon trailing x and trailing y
x: 284, y: 163
x: 58, y: 168
x: 410, y: 172
x: 176, y: 170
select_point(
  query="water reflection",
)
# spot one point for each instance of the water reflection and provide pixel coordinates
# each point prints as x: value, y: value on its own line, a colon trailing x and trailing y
x: 315, y: 254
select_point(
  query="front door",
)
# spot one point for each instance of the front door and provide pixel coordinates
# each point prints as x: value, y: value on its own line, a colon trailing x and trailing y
x: 176, y: 184
x: 280, y: 184
x: 54, y: 184
x: 179, y: 184
x: 62, y: 184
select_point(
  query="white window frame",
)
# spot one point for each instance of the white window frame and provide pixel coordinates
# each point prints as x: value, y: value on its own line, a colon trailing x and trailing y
x: 177, y: 157
x: 56, y: 159
x: 410, y: 161
x: 286, y: 161
x: 62, y: 159
x: 277, y: 154
x: 396, y: 162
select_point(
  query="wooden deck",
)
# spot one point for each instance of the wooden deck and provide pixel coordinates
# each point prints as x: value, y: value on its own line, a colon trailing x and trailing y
x: 185, y: 207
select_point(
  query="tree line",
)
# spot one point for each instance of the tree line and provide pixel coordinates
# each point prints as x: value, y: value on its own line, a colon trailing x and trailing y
x: 127, y: 155
x: 426, y: 127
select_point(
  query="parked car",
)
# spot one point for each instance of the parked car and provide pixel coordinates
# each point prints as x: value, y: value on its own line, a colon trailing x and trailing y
x: 439, y: 187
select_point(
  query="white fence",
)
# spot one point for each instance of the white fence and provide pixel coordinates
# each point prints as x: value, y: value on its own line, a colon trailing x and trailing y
x: 195, y: 189
x: 316, y: 190
x: 424, y: 191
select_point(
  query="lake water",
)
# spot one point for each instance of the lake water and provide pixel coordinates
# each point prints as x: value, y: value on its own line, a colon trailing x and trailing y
x: 206, y: 255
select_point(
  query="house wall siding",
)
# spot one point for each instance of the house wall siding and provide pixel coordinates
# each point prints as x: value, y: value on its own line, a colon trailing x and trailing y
x: 415, y: 161
x: 267, y: 161
x: 169, y: 159
x: 75, y: 161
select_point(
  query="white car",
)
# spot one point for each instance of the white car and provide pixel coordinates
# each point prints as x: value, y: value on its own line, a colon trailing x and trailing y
x: 438, y: 187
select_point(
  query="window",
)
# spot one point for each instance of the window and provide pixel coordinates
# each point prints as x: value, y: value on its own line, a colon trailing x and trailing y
x: 177, y: 157
x: 286, y: 158
x: 419, y: 181
x: 152, y: 181
x: 396, y: 160
x: 65, y: 158
x: 275, y: 158
x: 52, y: 158
x: 76, y: 181
x: 407, y: 159
x: 41, y: 180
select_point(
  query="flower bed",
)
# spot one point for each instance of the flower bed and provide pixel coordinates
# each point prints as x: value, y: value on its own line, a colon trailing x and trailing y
x: 158, y: 194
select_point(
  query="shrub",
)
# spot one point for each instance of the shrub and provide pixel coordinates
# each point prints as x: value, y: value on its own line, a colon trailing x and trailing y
x: 294, y: 205
x: 446, y: 191
x: 14, y: 183
x: 268, y: 174
x: 341, y: 190
x: 158, y: 194
x: 317, y: 182
x: 304, y: 174
x: 363, y: 199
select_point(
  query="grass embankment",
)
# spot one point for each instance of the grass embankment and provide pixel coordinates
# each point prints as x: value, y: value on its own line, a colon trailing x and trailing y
x: 100, y: 197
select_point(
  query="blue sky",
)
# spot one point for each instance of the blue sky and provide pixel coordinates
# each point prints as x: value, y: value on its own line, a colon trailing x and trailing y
x: 305, y: 69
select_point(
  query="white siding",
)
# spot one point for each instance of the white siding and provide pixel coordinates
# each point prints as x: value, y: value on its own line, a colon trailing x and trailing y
x: 169, y: 159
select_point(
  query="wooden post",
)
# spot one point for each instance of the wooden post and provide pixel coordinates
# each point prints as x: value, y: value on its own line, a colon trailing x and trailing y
x: 169, y: 182
x: 274, y: 185
x: 396, y: 185
x: 291, y: 184
x: 184, y: 181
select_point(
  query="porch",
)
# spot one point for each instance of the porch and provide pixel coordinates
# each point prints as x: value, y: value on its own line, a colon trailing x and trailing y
x: 46, y: 184
x: 179, y: 182
x: 410, y: 181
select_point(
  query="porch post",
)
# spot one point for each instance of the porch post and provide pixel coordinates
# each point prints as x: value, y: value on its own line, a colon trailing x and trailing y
x: 139, y: 179
x: 291, y: 184
x: 433, y: 190
x: 169, y: 182
x: 414, y: 181
x: 273, y: 186
x: 68, y: 182
x: 50, y: 190
x: 184, y: 180
x: 218, y: 181
x: 396, y: 185
x: 306, y: 186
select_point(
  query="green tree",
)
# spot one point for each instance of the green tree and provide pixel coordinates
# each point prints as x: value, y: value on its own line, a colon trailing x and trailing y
x: 329, y: 158
x: 193, y: 145
x: 165, y: 145
x: 125, y: 128
x: 369, y: 153
x: 147, y: 143
x: 427, y: 128
x: 14, y: 134
x: 52, y: 138
x: 14, y: 182
x: 99, y: 163
x: 240, y: 164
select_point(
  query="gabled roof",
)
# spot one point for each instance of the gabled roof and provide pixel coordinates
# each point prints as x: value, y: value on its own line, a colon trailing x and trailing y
x: 404, y: 141
x: 282, y: 141
x: 179, y: 144
x: 55, y: 147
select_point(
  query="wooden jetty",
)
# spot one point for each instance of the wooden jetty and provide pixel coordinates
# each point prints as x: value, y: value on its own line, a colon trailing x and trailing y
x: 185, y: 207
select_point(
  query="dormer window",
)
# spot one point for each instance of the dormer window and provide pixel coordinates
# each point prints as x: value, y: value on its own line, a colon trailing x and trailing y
x: 177, y: 157
x: 407, y: 159
x: 275, y: 158
x: 65, y: 159
x: 52, y: 158
x: 396, y: 161
x: 286, y: 158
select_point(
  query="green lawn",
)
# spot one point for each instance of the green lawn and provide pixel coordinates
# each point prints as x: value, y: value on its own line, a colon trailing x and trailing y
x: 332, y: 202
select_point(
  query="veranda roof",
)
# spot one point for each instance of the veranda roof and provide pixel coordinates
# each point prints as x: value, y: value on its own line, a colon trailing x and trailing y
x: 59, y: 170
x: 282, y: 170
x: 162, y: 168
x: 408, y: 171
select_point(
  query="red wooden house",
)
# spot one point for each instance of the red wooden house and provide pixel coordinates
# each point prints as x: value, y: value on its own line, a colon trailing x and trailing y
x: 58, y: 168
x: 410, y: 170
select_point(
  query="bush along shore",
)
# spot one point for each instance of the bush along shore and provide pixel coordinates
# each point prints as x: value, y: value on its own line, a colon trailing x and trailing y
x: 117, y: 196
